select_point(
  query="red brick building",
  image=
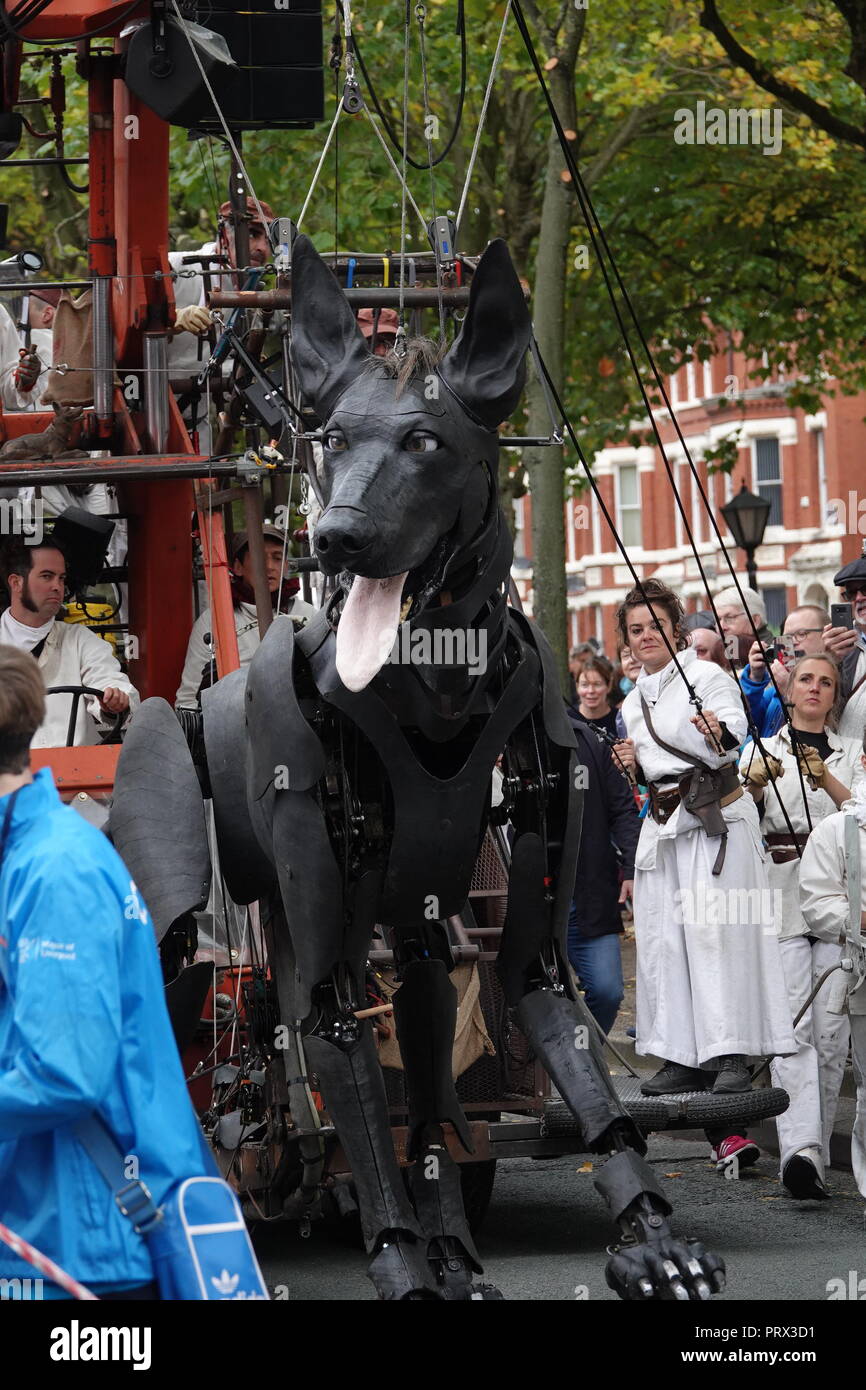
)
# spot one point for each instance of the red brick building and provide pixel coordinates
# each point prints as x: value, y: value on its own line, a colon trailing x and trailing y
x: 810, y: 468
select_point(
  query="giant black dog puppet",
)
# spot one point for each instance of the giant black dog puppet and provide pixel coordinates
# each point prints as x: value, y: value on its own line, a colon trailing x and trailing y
x: 362, y: 785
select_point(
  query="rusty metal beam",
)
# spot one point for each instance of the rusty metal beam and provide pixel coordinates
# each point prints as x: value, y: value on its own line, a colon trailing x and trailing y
x: 254, y: 520
x: 373, y: 297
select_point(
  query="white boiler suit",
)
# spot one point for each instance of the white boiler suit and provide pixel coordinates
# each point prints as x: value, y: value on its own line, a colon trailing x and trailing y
x: 824, y: 904
x: 709, y: 974
x: 813, y: 1076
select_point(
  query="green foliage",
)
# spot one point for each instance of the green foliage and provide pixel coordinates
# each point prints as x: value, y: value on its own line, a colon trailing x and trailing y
x: 768, y: 248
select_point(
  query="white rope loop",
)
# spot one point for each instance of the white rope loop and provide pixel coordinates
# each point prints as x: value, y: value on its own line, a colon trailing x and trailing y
x: 421, y: 15
x: 400, y: 338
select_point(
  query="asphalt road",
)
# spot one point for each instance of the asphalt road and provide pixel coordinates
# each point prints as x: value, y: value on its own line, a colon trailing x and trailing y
x: 546, y: 1230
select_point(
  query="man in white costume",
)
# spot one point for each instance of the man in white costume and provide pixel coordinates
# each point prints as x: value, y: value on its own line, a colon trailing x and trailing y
x: 67, y: 653
x: 200, y: 653
x: 23, y: 379
x: 710, y: 988
x: 825, y: 872
x: 187, y: 355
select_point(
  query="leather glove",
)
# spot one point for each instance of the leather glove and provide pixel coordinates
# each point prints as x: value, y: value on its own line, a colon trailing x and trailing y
x: 28, y: 369
x: 193, y: 319
x: 811, y: 765
x: 762, y: 769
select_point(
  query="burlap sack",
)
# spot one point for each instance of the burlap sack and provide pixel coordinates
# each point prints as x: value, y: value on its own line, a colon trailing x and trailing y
x: 73, y: 346
x: 471, y: 1038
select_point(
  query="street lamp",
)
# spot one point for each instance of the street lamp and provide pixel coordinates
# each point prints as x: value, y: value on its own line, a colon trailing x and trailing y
x: 746, y: 516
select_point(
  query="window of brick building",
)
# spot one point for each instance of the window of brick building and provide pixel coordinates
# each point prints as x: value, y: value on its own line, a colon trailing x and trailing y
x: 628, y: 504
x: 708, y: 378
x: 776, y: 604
x: 768, y: 476
x: 691, y: 381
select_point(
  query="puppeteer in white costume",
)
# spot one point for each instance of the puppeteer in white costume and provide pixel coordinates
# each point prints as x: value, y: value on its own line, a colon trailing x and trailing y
x: 710, y: 987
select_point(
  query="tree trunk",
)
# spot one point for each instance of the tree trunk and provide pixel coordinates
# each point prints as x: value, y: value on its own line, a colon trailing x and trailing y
x: 546, y: 466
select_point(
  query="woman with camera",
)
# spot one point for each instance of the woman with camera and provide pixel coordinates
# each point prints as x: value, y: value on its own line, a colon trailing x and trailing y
x: 809, y: 770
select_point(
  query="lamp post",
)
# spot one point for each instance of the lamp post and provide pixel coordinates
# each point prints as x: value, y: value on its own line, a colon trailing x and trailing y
x: 746, y: 517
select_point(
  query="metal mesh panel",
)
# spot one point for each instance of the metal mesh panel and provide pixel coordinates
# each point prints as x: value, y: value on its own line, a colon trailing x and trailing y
x: 489, y: 873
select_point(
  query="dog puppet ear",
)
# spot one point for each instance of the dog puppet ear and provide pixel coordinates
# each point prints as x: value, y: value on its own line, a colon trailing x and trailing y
x: 328, y: 348
x: 485, y: 367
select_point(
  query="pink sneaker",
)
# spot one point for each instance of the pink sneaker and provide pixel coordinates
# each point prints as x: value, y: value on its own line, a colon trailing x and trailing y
x: 735, y: 1150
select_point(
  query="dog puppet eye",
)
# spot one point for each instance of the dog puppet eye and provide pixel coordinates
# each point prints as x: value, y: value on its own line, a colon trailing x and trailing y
x: 335, y: 441
x: 420, y: 443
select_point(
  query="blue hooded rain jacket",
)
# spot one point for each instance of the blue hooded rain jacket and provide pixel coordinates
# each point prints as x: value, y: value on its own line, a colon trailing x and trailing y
x: 83, y: 1028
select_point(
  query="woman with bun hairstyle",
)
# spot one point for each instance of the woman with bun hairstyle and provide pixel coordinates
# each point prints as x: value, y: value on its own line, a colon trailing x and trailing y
x: 710, y: 987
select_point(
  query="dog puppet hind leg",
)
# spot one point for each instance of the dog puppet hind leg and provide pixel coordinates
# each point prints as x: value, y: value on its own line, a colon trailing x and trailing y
x: 425, y: 1013
x: 353, y: 1087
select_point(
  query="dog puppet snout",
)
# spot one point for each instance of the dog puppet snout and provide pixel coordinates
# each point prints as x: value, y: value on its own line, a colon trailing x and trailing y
x: 344, y: 537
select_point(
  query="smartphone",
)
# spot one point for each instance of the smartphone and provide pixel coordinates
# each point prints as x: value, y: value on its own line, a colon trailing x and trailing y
x: 841, y: 615
x: 781, y: 650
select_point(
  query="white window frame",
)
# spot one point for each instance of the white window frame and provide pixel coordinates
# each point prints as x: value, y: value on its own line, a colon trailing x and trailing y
x: 698, y: 530
x: 691, y: 382
x: 769, y: 482
x: 708, y: 378
x: 674, y: 388
x: 679, y: 530
x: 517, y: 505
x: 632, y: 507
x: 823, y: 498
x: 595, y: 518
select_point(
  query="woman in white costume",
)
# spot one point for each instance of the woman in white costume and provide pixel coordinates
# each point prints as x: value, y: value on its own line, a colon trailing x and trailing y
x: 710, y: 987
x: 828, y: 773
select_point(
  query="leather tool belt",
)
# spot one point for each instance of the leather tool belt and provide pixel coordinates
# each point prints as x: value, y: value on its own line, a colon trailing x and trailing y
x: 783, y: 848
x: 703, y: 792
x: 705, y: 786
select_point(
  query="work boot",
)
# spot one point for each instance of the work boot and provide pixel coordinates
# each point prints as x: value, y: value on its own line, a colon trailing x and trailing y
x: 733, y: 1075
x: 803, y: 1176
x: 674, y: 1080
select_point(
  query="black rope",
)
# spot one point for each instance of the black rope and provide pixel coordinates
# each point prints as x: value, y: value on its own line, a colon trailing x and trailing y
x: 336, y: 168
x: 392, y: 135
x: 694, y: 698
x: 590, y: 217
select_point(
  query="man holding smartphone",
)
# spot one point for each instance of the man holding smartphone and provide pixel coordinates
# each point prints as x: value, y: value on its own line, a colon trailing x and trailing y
x: 848, y: 645
x: 802, y: 635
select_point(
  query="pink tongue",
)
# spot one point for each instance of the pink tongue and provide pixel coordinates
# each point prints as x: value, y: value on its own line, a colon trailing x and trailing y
x: 368, y: 628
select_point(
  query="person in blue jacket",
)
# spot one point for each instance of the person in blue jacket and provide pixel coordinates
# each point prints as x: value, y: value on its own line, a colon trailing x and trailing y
x: 83, y: 1025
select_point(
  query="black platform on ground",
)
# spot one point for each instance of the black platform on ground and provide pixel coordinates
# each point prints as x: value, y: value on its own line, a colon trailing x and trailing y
x: 691, y: 1110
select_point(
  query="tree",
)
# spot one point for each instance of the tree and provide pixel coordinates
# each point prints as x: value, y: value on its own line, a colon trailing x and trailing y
x: 768, y: 249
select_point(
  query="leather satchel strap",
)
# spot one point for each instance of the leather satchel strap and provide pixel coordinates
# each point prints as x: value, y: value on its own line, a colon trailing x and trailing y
x: 856, y: 687
x: 668, y: 747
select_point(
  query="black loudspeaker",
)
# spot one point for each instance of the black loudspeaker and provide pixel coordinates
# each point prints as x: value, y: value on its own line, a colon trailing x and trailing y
x: 275, y: 78
x: 84, y: 539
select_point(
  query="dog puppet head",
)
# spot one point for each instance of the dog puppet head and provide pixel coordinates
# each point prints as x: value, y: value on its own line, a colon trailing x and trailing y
x: 408, y: 464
